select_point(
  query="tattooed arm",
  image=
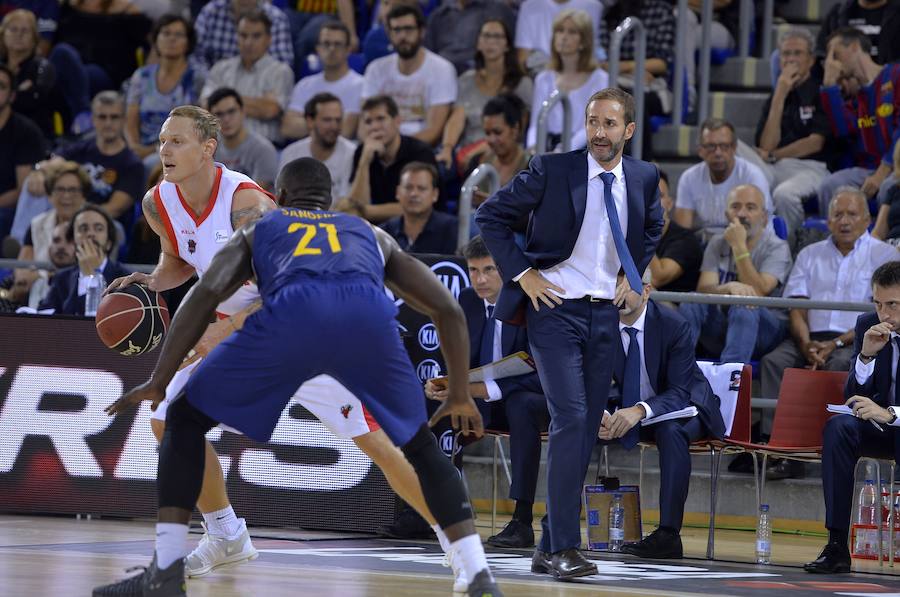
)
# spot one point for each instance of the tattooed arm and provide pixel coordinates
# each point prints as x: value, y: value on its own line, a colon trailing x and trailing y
x: 171, y: 271
x: 248, y: 206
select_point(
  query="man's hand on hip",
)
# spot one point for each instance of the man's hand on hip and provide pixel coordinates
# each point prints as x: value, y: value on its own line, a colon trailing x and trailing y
x: 538, y: 288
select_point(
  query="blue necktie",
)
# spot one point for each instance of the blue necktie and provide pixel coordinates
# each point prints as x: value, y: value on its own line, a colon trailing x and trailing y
x: 631, y: 273
x: 631, y: 384
x: 896, y: 397
x: 486, y: 352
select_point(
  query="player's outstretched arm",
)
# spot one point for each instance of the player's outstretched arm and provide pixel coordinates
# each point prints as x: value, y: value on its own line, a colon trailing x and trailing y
x: 228, y: 270
x: 411, y: 280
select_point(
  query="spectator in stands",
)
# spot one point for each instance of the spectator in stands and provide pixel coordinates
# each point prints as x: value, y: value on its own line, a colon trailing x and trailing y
x: 502, y: 121
x: 676, y: 265
x: 701, y: 202
x: 217, y: 34
x: 378, y: 161
x: 423, y: 83
x: 263, y: 82
x: 94, y: 236
x: 791, y: 132
x: 572, y: 69
x: 420, y: 228
x: 659, y: 22
x: 116, y: 173
x: 324, y: 115
x: 106, y: 34
x: 145, y: 246
x: 240, y: 149
x: 21, y: 145
x: 870, y: 392
x: 496, y: 71
x: 747, y: 259
x: 454, y: 28
x: 535, y: 28
x: 875, y: 118
x: 62, y: 255
x: 35, y: 81
x: 879, y: 20
x: 887, y: 224
x: 523, y: 397
x: 336, y: 78
x: 307, y: 17
x: 14, y: 290
x: 68, y: 186
x: 376, y: 42
x: 664, y: 378
x: 157, y: 88
x: 839, y: 269
x: 47, y: 14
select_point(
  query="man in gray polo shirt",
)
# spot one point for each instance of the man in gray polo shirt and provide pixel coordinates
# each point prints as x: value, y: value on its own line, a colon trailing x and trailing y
x: 240, y: 149
x: 747, y: 259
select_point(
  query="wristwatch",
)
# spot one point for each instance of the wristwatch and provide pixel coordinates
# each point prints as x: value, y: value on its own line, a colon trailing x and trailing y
x: 893, y: 411
x: 838, y: 342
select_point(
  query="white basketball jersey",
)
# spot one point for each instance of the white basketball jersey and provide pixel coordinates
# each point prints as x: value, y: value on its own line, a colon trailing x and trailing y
x: 725, y: 380
x: 197, y: 239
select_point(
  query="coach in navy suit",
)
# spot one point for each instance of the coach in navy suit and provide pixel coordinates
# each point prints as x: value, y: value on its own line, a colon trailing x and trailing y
x: 872, y: 391
x: 94, y: 235
x: 591, y: 214
x: 657, y: 374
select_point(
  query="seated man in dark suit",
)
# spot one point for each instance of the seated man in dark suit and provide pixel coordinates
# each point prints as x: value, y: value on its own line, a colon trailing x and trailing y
x: 871, y: 392
x: 94, y: 235
x: 523, y: 398
x: 655, y: 369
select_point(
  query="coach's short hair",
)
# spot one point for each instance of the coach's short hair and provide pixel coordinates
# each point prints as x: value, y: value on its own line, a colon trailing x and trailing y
x: 205, y: 124
x: 617, y: 95
x: 475, y: 249
x: 887, y: 274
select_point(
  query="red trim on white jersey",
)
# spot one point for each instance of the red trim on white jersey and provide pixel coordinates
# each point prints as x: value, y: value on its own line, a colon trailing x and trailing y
x: 210, y: 203
x: 253, y: 185
x: 164, y: 216
x: 370, y: 420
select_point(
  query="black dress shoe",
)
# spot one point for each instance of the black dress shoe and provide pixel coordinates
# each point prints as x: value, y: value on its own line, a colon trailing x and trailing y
x: 514, y: 534
x: 541, y: 562
x: 742, y: 463
x: 782, y: 468
x: 571, y: 563
x: 409, y: 525
x: 834, y: 559
x: 661, y: 544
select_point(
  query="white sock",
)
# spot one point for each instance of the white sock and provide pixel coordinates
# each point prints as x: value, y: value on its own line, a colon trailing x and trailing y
x: 223, y: 523
x: 171, y: 543
x: 442, y: 538
x: 471, y: 553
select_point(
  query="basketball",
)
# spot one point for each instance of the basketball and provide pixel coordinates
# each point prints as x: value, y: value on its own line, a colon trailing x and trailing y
x: 132, y: 320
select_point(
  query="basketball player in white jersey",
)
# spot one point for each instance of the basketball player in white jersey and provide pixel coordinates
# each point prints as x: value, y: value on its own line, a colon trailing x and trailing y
x: 194, y: 211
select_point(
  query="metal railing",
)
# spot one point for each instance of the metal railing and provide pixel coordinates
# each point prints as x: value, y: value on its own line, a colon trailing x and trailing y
x: 16, y: 263
x: 758, y: 301
x: 548, y: 104
x: 465, y: 198
x: 768, y: 15
x: 681, y: 59
x: 706, y: 15
x: 746, y: 26
x: 631, y: 24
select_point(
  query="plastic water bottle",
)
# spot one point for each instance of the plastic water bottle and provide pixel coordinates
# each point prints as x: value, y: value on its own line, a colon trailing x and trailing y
x: 763, y: 536
x: 866, y: 515
x: 92, y: 298
x: 616, y: 523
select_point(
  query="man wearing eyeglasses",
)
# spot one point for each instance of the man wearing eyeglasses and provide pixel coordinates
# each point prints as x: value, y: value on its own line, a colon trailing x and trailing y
x: 336, y: 78
x: 422, y: 83
x: 240, y: 149
x: 703, y: 188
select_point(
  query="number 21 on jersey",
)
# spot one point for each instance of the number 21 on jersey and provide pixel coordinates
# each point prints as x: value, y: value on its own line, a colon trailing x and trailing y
x: 309, y: 233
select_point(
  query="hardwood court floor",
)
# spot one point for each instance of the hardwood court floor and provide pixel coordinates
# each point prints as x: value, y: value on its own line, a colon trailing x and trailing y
x: 62, y: 557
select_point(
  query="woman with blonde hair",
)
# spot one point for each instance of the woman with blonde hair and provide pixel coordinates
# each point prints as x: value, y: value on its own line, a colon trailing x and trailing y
x: 572, y: 70
x: 35, y: 77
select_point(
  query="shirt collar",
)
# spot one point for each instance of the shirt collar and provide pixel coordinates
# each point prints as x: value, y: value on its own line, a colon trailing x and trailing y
x: 487, y: 304
x: 638, y: 324
x: 864, y: 238
x: 595, y: 169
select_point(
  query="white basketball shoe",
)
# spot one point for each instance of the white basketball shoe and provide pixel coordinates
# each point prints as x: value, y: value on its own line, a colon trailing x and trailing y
x: 215, y: 551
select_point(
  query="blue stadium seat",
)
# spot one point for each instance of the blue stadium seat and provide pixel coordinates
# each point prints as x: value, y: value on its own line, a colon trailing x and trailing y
x: 816, y: 224
x: 780, y: 227
x: 357, y: 62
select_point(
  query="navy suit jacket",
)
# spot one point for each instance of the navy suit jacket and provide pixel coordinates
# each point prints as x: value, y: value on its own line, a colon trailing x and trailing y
x: 553, y: 192
x: 63, y: 293
x: 674, y: 375
x: 878, y: 386
x: 512, y: 339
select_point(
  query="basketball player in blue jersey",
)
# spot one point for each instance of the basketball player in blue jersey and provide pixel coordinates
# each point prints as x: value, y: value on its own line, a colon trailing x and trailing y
x: 324, y: 311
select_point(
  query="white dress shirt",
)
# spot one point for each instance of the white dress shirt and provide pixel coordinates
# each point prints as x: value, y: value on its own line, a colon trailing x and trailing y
x: 493, y: 389
x: 83, y: 281
x: 646, y: 387
x: 592, y: 267
x: 864, y: 371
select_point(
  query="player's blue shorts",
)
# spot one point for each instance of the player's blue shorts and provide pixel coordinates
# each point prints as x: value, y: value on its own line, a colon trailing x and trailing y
x: 345, y: 329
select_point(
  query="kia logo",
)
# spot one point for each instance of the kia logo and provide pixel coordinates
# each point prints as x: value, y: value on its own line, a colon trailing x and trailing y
x: 428, y: 337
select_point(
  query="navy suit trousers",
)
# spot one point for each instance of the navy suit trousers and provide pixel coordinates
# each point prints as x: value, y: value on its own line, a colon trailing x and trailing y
x: 527, y: 416
x: 673, y: 441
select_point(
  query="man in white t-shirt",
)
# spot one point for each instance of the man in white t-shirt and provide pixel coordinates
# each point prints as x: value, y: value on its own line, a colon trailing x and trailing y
x: 323, y: 121
x: 336, y: 78
x: 534, y: 27
x: 703, y: 188
x: 422, y: 83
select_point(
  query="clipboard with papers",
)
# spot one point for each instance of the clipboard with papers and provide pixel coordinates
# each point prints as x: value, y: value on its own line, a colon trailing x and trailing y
x: 684, y: 413
x: 518, y: 363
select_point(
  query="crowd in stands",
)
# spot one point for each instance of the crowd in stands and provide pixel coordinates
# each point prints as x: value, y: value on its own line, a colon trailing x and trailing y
x: 402, y: 99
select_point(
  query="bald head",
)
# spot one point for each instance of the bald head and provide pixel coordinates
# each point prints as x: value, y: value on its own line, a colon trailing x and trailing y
x: 305, y: 183
x: 747, y: 204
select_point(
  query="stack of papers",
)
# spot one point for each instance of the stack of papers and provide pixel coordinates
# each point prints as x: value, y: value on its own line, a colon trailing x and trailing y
x: 684, y: 413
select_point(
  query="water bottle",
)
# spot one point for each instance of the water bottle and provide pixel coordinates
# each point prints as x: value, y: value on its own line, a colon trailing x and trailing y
x: 92, y: 297
x: 616, y: 523
x: 763, y: 536
x: 866, y: 515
